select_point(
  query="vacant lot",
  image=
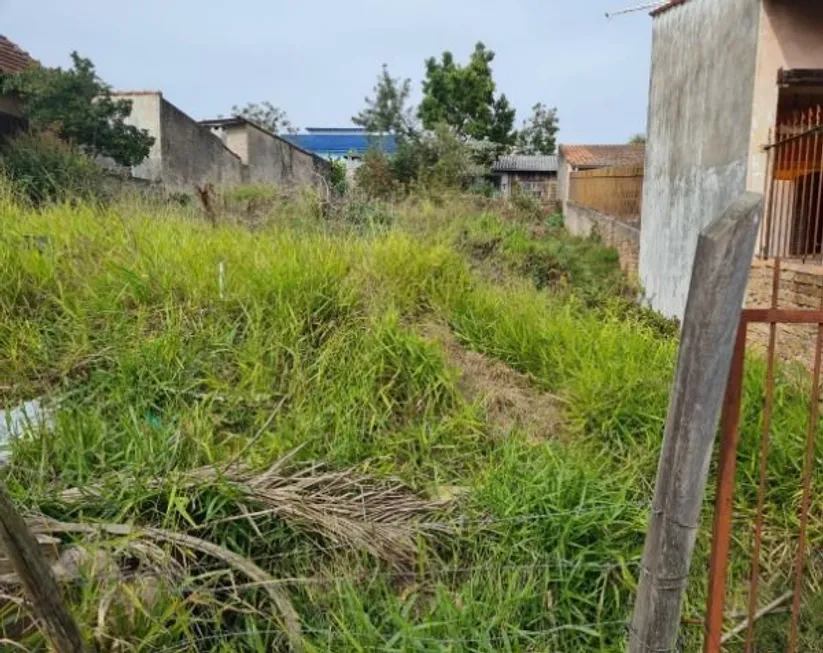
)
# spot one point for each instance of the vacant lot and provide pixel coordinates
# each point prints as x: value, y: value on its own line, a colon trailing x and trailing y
x: 423, y: 427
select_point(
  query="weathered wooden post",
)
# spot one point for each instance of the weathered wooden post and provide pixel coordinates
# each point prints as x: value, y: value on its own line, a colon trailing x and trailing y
x: 35, y: 575
x: 718, y: 286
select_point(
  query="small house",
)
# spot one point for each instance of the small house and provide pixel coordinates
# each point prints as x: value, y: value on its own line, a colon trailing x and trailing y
x: 12, y: 60
x: 534, y: 175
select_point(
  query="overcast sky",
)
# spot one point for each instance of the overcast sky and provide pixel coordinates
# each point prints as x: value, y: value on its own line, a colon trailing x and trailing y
x: 317, y: 59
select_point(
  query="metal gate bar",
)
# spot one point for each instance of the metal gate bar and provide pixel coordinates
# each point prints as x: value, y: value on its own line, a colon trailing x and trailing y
x: 764, y: 454
x: 730, y: 436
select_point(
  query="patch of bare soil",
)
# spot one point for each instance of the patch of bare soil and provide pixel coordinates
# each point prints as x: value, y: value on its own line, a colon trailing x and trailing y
x: 511, y: 402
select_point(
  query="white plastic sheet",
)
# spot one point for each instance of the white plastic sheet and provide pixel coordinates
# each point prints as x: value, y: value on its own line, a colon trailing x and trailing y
x: 14, y: 422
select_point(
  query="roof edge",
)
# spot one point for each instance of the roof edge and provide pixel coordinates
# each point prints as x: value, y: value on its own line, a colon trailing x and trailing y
x: 662, y: 10
x: 143, y: 92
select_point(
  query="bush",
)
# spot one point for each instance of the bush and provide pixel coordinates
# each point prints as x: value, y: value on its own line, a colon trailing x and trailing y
x: 527, y: 204
x: 339, y: 179
x: 375, y: 177
x: 43, y: 169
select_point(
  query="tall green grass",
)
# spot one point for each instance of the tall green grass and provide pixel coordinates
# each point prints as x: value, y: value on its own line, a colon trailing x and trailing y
x: 311, y: 336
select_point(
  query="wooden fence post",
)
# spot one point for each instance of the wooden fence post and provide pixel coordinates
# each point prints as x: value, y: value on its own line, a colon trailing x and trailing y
x: 718, y: 286
x: 35, y: 574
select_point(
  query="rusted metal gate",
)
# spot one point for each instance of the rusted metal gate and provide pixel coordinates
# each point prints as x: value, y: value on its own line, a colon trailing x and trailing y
x: 793, y: 221
x: 730, y: 437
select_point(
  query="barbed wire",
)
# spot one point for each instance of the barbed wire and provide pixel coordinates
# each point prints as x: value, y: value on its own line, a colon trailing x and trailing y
x: 574, y: 565
x: 589, y: 629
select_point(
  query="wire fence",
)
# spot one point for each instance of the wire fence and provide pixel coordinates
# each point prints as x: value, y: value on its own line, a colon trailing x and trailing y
x: 361, y: 638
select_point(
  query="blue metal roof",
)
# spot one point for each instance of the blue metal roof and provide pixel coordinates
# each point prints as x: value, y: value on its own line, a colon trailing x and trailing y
x: 343, y: 144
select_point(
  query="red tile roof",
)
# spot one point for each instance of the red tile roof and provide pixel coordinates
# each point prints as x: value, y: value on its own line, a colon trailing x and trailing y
x: 12, y: 58
x: 669, y: 5
x: 596, y: 156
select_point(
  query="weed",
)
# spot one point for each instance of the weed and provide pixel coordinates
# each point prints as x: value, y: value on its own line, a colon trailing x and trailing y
x: 311, y: 342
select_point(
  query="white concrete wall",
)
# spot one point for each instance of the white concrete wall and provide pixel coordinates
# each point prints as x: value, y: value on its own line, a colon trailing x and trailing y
x: 274, y: 160
x: 700, y: 124
x: 193, y: 155
x: 145, y: 114
x: 184, y: 152
x: 236, y: 138
x: 564, y: 172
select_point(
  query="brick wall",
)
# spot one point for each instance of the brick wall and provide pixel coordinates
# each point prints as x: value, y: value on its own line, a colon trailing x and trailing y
x: 623, y: 236
x: 801, y: 286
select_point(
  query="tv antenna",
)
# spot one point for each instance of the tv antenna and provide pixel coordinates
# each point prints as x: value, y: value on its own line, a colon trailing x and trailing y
x: 631, y: 10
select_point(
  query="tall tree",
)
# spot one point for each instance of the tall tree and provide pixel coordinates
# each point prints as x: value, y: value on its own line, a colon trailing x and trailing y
x: 463, y: 97
x: 387, y: 112
x: 266, y: 115
x: 79, y: 107
x: 539, y: 132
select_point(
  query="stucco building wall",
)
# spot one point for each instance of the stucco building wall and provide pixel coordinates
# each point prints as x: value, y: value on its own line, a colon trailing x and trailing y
x: 699, y: 133
x: 184, y: 153
x: 564, y: 172
x: 790, y: 36
x: 145, y: 114
x: 270, y: 159
x: 192, y: 154
x: 273, y: 160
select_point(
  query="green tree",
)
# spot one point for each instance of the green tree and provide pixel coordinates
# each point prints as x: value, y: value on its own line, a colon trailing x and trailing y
x: 539, y: 132
x: 463, y: 97
x: 638, y: 139
x: 266, y: 115
x: 388, y: 111
x: 79, y: 107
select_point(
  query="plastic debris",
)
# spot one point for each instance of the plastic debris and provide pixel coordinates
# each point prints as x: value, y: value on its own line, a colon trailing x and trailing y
x: 14, y: 422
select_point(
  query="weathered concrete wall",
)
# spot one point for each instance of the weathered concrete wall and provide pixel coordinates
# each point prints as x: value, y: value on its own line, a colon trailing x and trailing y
x: 192, y: 155
x: 271, y: 159
x: 184, y: 152
x: 564, y: 173
x: 236, y: 139
x: 275, y: 161
x: 145, y: 114
x: 624, y: 237
x: 700, y: 116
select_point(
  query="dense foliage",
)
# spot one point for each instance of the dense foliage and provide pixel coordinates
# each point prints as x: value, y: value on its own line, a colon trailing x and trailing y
x: 43, y: 168
x: 463, y: 97
x: 79, y: 107
x: 388, y: 112
x: 539, y: 132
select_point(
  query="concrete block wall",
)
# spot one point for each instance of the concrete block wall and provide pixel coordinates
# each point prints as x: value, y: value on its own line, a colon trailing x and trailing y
x: 192, y: 155
x: 624, y: 237
x: 273, y: 160
x: 801, y: 286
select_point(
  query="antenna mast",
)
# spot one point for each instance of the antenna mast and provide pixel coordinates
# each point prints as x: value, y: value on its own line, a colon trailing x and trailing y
x: 631, y: 10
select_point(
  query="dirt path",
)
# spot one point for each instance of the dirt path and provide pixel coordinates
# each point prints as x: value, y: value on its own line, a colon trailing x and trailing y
x: 510, y: 400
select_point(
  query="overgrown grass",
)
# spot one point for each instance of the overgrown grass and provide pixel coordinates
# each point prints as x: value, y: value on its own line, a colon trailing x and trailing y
x: 309, y: 342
